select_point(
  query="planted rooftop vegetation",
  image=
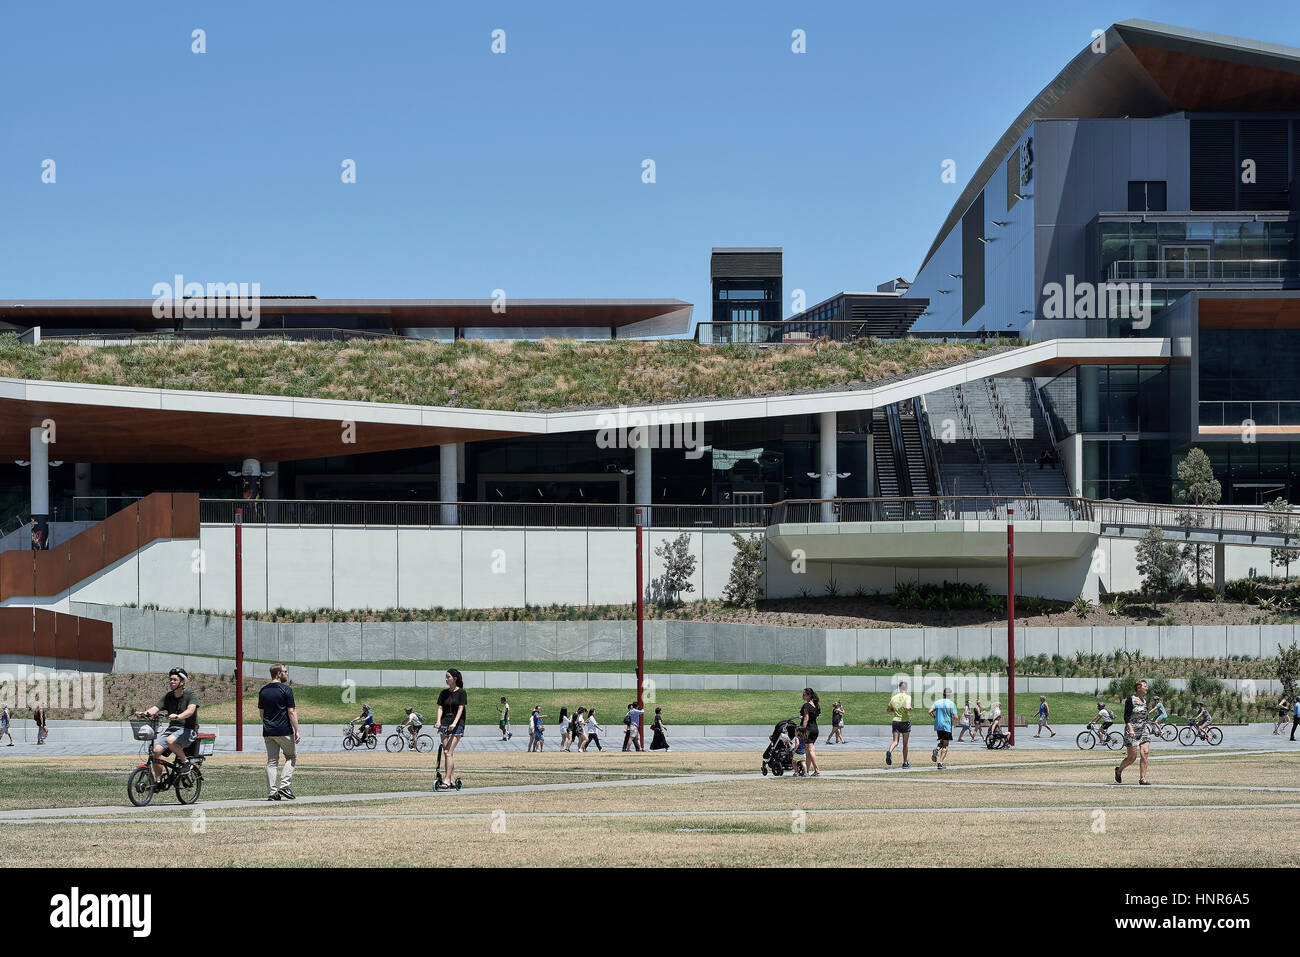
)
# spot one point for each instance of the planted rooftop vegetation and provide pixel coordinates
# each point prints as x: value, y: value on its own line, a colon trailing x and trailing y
x: 518, y: 376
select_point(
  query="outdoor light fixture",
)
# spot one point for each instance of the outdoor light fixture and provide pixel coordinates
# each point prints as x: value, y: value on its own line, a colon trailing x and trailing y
x: 943, y: 292
x: 998, y: 222
x: 985, y: 239
x: 1019, y: 196
x: 627, y: 471
x: 1026, y: 312
x: 955, y: 275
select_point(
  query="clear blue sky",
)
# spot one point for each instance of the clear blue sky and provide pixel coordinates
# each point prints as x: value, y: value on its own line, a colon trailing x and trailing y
x: 519, y: 171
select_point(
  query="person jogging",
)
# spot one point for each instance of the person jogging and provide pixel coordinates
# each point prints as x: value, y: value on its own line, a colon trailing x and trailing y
x: 4, y: 724
x: 1137, y: 737
x: 1043, y: 712
x: 944, y: 710
x: 503, y: 720
x: 453, y: 713
x: 900, y: 706
x: 1283, y: 712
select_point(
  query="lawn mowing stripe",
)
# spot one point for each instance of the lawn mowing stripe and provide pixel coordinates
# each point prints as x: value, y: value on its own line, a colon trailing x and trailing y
x: 570, y: 815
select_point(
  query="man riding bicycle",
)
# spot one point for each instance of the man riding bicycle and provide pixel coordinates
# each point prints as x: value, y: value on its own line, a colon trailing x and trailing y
x: 362, y: 726
x: 1200, y: 719
x: 182, y: 710
x: 1105, y: 718
x: 414, y: 721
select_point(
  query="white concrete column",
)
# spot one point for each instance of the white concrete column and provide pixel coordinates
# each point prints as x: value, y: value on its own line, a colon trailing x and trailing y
x: 40, y: 488
x: 643, y: 476
x: 828, y: 465
x: 447, y: 459
x: 873, y: 486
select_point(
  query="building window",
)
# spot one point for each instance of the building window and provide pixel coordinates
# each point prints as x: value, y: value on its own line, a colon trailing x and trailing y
x: 1148, y: 196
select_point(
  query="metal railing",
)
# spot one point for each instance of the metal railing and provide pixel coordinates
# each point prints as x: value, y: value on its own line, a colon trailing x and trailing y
x: 964, y: 410
x: 930, y: 507
x: 1004, y: 419
x: 796, y: 331
x: 1215, y: 413
x: 303, y: 512
x: 190, y: 335
x: 1204, y: 270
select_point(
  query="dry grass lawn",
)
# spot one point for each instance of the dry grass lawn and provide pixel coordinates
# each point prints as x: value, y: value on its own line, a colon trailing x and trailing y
x: 707, y: 809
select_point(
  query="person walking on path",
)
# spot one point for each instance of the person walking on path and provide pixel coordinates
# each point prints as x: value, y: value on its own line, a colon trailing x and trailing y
x: 1137, y: 738
x: 900, y: 706
x: 633, y: 724
x: 1295, y: 717
x: 565, y: 735
x: 965, y: 722
x: 42, y: 732
x: 279, y: 732
x: 503, y: 720
x: 977, y: 720
x: 837, y: 724
x: 578, y: 730
x: 4, y: 724
x: 943, y: 712
x: 1283, y: 712
x: 537, y: 733
x: 1043, y: 712
x: 453, y: 713
x: 658, y: 742
x: 593, y: 731
x: 812, y: 707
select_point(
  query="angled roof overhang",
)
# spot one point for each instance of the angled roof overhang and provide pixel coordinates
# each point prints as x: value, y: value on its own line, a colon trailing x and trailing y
x: 1150, y: 69
x: 100, y: 423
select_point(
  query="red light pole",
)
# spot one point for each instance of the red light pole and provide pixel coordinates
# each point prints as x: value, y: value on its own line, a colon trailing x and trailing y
x: 1011, y: 624
x: 239, y: 629
x: 640, y: 631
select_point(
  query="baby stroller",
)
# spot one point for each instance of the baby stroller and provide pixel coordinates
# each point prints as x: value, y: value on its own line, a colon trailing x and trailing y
x: 778, y: 756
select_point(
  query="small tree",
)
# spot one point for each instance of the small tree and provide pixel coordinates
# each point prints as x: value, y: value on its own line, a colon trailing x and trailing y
x: 1157, y: 563
x: 1200, y: 487
x: 746, y: 570
x: 1283, y: 555
x: 679, y: 567
x: 1288, y: 670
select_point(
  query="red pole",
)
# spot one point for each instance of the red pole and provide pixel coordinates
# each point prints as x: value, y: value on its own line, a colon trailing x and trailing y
x: 640, y: 631
x: 239, y: 629
x: 1011, y: 623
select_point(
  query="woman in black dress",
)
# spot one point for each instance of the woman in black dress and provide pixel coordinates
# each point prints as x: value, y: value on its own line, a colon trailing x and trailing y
x: 812, y: 707
x: 659, y: 742
x: 452, y: 715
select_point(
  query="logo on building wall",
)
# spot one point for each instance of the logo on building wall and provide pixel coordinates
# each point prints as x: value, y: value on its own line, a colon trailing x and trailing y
x: 1026, y: 162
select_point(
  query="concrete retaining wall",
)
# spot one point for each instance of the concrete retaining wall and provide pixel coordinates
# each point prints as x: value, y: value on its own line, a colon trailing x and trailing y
x: 174, y: 633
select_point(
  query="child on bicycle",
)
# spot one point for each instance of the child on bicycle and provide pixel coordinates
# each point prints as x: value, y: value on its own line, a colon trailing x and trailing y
x: 414, y: 722
x: 1158, y: 713
x: 1200, y: 719
x: 1105, y: 717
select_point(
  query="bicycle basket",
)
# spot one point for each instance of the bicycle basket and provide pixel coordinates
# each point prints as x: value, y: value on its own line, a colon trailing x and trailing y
x: 143, y: 730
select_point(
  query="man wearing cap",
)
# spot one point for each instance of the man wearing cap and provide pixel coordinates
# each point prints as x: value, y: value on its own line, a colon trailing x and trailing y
x: 182, y: 710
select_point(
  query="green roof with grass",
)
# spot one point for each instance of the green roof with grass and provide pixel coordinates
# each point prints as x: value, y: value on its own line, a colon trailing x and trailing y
x: 514, y: 376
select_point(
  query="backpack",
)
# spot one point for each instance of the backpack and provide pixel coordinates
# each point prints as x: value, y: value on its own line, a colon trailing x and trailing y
x: 416, y: 718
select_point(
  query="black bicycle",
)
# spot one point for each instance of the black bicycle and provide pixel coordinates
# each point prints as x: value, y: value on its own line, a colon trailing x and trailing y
x: 140, y: 783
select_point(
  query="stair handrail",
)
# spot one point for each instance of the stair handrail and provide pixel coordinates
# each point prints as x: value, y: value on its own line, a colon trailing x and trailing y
x: 901, y: 472
x: 1011, y: 438
x: 1051, y: 434
x: 933, y: 454
x: 964, y: 409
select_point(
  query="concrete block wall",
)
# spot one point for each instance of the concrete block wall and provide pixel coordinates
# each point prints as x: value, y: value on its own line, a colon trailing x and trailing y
x: 172, y: 634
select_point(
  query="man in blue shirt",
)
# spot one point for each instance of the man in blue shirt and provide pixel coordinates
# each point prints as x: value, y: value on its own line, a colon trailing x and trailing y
x: 943, y: 712
x: 280, y: 732
x: 1295, y: 717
